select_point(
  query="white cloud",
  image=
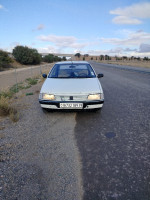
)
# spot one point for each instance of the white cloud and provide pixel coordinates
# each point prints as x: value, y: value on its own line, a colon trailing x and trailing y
x: 133, y: 39
x: 140, y: 10
x: 11, y: 46
x: 48, y: 49
x: 114, y: 51
x: 127, y: 46
x: 125, y: 20
x: 144, y: 48
x: 139, y: 54
x: 132, y: 14
x: 129, y: 50
x: 63, y: 41
x: 118, y: 52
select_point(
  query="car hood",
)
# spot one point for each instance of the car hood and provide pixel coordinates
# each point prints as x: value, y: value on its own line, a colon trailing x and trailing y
x: 71, y: 86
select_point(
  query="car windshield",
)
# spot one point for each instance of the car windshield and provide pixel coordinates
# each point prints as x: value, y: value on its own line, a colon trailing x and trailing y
x: 72, y: 71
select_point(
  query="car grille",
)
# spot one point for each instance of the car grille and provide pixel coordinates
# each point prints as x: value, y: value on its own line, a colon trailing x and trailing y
x: 71, y: 98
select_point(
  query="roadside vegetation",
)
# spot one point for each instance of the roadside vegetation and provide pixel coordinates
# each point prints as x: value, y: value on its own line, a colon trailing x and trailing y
x: 5, y: 60
x: 117, y: 60
x: 6, y: 108
x: 50, y: 58
x: 23, y: 56
x: 26, y: 55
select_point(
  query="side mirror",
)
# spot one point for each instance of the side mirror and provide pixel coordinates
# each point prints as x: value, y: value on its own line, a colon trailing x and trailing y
x: 100, y: 75
x: 44, y: 75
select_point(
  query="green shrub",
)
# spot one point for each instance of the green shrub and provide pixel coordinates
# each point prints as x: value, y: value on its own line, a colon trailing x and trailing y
x: 48, y: 58
x: 32, y: 81
x: 25, y: 55
x: 51, y: 58
x: 17, y: 87
x: 5, y: 60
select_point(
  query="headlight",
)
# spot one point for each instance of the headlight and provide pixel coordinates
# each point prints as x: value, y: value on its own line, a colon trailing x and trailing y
x: 45, y: 96
x: 95, y: 97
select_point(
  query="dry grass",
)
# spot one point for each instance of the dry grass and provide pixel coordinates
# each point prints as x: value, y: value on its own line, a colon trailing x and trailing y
x: 7, y: 110
x: 128, y: 63
x: 4, y: 106
x: 14, y: 115
x: 16, y: 64
x: 20, y: 86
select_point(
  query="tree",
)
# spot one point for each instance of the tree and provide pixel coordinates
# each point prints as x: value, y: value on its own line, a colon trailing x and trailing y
x: 37, y: 58
x: 78, y: 55
x: 64, y: 58
x: 25, y: 55
x: 107, y: 57
x: 146, y: 59
x: 48, y: 58
x: 56, y: 58
x: 124, y: 57
x: 5, y: 60
x: 101, y: 57
x: 59, y: 58
x: 51, y: 58
x: 138, y: 58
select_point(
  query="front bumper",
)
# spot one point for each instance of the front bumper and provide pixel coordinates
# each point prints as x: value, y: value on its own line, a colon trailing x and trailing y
x: 56, y: 104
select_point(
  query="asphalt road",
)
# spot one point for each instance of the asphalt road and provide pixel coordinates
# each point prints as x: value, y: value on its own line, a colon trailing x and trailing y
x: 114, y: 143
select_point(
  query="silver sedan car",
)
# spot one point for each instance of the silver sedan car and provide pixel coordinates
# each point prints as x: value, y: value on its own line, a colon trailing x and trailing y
x: 72, y: 85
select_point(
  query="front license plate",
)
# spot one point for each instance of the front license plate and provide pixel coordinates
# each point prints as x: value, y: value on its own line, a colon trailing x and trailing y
x: 71, y: 105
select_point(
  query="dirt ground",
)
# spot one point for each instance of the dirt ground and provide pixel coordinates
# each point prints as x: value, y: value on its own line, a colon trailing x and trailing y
x: 128, y: 63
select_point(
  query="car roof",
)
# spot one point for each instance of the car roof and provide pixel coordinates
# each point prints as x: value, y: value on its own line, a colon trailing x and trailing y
x: 73, y: 62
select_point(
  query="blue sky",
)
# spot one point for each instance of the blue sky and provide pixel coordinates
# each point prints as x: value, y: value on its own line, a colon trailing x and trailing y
x: 113, y: 27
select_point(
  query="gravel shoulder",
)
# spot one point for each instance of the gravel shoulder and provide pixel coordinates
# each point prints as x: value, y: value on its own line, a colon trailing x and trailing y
x: 39, y: 158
